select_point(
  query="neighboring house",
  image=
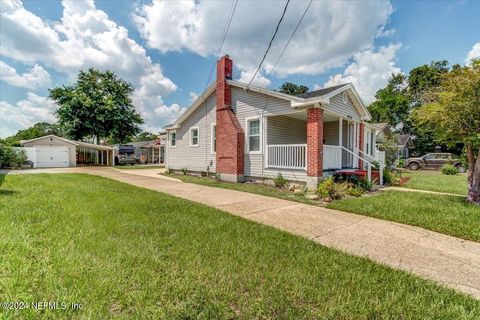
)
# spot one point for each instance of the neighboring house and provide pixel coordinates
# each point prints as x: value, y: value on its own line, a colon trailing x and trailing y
x: 247, y: 132
x: 404, y: 144
x: 382, y: 132
x: 52, y: 151
x: 150, y: 151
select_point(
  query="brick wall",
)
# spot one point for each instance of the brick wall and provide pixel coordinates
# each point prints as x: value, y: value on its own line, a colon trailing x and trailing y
x: 315, y: 142
x: 230, y: 135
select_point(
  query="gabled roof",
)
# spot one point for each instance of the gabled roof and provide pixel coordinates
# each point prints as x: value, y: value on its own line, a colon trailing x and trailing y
x: 404, y: 139
x: 72, y: 142
x: 320, y: 92
x: 317, y: 97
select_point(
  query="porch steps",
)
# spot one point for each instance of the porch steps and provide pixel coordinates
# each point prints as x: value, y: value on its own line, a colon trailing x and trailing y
x: 361, y: 174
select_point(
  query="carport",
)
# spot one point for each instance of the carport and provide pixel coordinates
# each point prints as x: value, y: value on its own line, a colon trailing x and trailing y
x: 52, y: 151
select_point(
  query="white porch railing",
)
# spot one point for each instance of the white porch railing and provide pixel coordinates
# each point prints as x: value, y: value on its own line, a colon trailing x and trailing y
x: 287, y: 156
x: 332, y: 157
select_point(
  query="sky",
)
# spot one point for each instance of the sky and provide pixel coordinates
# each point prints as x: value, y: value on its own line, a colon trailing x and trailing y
x: 166, y: 49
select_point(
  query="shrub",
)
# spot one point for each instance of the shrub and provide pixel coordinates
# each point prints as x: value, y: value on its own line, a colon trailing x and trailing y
x: 184, y: 171
x: 392, y: 178
x: 280, y: 181
x: 365, y: 185
x: 354, y: 191
x: 450, y: 170
x: 11, y: 157
x: 329, y: 189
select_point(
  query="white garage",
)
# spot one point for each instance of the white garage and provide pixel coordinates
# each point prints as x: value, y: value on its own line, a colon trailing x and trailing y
x: 51, y: 156
x: 52, y: 151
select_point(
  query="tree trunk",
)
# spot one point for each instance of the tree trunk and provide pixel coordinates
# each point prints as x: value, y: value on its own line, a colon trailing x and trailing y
x: 97, y: 138
x: 473, y: 174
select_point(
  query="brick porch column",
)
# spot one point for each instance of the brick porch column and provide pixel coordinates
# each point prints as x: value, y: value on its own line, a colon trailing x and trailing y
x: 361, y: 140
x: 229, y: 133
x: 314, y: 147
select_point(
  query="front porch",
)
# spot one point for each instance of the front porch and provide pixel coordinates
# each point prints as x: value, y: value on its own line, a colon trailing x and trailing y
x: 341, y: 146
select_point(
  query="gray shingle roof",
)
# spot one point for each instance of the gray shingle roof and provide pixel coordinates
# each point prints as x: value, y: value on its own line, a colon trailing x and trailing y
x: 320, y: 92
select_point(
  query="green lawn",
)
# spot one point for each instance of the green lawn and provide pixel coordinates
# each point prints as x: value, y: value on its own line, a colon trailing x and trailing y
x: 138, y: 166
x: 135, y: 253
x: 446, y: 214
x: 258, y: 188
x: 433, y: 180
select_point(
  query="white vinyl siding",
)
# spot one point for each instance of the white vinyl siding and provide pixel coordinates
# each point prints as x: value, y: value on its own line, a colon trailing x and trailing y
x: 347, y: 110
x: 286, y: 130
x: 201, y: 157
x: 52, y: 141
x: 213, y: 135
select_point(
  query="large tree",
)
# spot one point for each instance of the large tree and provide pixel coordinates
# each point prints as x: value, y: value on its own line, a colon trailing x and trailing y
x: 452, y: 111
x: 145, y: 136
x: 292, y: 88
x: 97, y: 105
x: 39, y: 129
x: 392, y: 104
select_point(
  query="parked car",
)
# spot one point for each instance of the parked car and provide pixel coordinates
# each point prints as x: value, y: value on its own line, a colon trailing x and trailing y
x: 125, y: 154
x: 434, y: 161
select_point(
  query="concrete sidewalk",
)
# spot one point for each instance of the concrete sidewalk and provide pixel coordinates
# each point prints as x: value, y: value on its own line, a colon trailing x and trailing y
x: 445, y: 259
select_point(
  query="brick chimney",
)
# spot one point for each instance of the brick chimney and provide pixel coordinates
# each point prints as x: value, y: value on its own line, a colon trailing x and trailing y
x: 230, y: 135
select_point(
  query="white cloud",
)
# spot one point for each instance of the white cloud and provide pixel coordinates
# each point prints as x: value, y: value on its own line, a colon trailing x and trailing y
x: 331, y: 33
x: 473, y: 53
x: 85, y: 37
x: 25, y: 113
x: 170, y: 113
x: 36, y: 78
x: 260, y: 80
x: 369, y: 71
x: 193, y: 96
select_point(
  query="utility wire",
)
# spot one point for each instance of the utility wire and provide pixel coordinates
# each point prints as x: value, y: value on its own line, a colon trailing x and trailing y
x: 270, y: 44
x: 227, y: 27
x: 291, y: 37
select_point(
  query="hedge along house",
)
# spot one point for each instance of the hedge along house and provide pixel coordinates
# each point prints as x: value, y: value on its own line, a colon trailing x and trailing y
x: 247, y: 132
x: 52, y: 151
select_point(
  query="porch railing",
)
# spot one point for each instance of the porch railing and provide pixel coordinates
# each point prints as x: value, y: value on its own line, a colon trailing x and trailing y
x: 287, y: 156
x: 332, y: 157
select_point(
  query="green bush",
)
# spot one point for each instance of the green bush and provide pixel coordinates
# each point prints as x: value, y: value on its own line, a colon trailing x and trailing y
x: 11, y: 157
x: 392, y: 178
x: 329, y: 189
x: 184, y: 171
x: 450, y: 170
x: 355, y: 191
x: 280, y: 181
x: 365, y: 185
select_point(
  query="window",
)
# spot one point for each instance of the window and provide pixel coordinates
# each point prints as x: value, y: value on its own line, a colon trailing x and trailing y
x: 344, y: 97
x: 194, y: 137
x: 214, y: 138
x: 253, y: 138
x: 173, y: 139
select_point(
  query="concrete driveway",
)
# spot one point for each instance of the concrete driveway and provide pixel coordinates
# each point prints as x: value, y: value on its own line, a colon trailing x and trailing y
x: 450, y: 261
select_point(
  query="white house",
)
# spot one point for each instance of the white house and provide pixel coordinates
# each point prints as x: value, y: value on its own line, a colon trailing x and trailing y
x: 247, y: 132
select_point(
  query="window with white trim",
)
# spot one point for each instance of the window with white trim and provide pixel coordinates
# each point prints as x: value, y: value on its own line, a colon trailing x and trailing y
x: 253, y: 131
x: 214, y: 138
x: 194, y: 137
x: 172, y: 139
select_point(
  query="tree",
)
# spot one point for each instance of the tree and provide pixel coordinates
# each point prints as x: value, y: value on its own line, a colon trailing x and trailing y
x: 423, y: 78
x: 392, y: 104
x: 145, y: 136
x: 292, y: 88
x: 97, y: 105
x: 452, y: 111
x: 39, y: 129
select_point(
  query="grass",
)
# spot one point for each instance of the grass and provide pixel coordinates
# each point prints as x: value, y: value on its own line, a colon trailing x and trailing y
x: 129, y: 252
x: 435, y: 181
x: 139, y: 166
x: 258, y: 188
x: 446, y: 214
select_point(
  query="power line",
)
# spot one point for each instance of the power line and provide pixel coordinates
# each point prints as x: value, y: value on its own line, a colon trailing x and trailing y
x: 270, y: 44
x: 291, y: 37
x: 229, y: 21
